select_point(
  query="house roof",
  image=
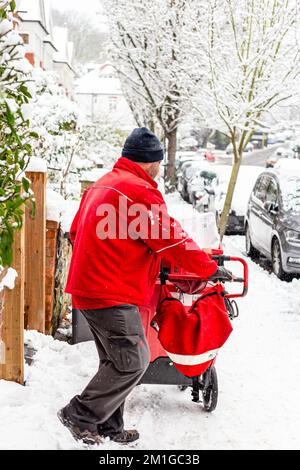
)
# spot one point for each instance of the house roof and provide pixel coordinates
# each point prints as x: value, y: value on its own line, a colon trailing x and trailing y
x: 38, y: 11
x: 34, y: 10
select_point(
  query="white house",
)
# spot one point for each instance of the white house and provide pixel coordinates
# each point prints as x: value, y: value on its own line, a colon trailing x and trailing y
x: 46, y: 46
x: 35, y: 28
x: 99, y: 94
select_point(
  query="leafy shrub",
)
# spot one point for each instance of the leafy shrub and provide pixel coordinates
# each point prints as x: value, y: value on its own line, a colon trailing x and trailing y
x: 15, y: 135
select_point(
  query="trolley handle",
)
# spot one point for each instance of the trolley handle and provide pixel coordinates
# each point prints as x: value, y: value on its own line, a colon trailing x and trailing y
x: 244, y: 279
x: 173, y: 277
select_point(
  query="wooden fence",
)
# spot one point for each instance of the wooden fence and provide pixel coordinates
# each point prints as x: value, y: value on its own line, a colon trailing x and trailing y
x: 25, y: 305
x: 35, y: 255
x: 13, y: 318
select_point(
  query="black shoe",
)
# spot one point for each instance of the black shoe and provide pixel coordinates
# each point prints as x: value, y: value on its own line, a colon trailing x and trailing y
x: 84, y: 435
x: 126, y: 436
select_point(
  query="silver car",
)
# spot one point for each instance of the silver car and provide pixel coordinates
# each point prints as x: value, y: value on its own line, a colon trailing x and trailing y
x: 273, y: 221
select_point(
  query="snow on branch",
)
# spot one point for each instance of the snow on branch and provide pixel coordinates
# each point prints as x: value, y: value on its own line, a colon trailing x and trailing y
x: 252, y: 61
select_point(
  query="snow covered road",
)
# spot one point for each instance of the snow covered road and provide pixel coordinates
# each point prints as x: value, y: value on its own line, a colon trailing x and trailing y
x: 259, y: 384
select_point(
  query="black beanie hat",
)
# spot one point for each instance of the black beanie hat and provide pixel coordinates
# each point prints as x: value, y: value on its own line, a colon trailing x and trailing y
x: 143, y: 146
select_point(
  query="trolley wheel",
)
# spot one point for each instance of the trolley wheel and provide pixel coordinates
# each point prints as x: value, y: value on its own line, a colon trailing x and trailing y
x: 182, y: 387
x: 210, y: 389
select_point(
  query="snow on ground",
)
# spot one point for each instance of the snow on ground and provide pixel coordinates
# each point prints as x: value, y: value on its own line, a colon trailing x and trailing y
x: 258, y: 371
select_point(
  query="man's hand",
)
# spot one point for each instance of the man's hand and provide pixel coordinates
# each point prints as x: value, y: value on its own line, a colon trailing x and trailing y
x: 222, y: 274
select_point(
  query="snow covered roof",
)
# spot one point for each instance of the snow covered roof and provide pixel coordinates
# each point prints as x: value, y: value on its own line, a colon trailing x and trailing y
x: 101, y: 80
x: 35, y: 10
x: 38, y: 11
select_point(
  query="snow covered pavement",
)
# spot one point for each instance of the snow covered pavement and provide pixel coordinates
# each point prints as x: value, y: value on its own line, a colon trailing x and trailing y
x: 259, y: 382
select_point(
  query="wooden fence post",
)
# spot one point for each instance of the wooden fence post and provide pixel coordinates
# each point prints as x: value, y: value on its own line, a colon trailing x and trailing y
x: 13, y: 317
x: 35, y: 255
x: 51, y: 251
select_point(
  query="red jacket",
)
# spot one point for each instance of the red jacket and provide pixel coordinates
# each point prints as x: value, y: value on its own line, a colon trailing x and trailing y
x: 119, y: 268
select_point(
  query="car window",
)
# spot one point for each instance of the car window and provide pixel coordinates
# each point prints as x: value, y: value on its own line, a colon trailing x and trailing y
x: 260, y: 188
x: 272, y: 192
x: 191, y: 172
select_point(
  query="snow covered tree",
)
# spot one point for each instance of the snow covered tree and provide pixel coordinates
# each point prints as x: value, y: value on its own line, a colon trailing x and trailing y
x: 85, y: 32
x: 15, y: 135
x: 151, y: 54
x: 100, y: 143
x: 58, y: 121
x: 252, y: 67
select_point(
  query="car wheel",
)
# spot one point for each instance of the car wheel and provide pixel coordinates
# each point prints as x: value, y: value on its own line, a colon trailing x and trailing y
x: 277, y: 260
x: 250, y: 250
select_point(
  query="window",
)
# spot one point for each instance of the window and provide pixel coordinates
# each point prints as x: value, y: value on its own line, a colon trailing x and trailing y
x: 272, y: 192
x: 260, y: 188
x: 113, y: 103
x: 25, y: 38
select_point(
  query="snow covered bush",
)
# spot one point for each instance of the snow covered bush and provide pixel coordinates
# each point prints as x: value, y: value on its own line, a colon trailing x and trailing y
x: 15, y: 135
x: 58, y: 122
x: 101, y: 143
x: 68, y: 141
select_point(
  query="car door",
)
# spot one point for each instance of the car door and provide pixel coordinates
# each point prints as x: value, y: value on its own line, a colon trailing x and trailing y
x: 255, y: 208
x: 269, y: 215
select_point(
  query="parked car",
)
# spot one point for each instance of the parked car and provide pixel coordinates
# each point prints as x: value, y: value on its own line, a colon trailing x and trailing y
x: 246, y: 179
x: 216, y: 181
x: 201, y: 189
x: 182, y: 157
x: 209, y: 156
x: 181, y: 183
x: 280, y: 152
x: 186, y: 173
x: 272, y: 224
x: 229, y: 148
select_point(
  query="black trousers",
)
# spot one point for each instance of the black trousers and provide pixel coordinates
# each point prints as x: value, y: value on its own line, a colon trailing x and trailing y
x: 124, y: 357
